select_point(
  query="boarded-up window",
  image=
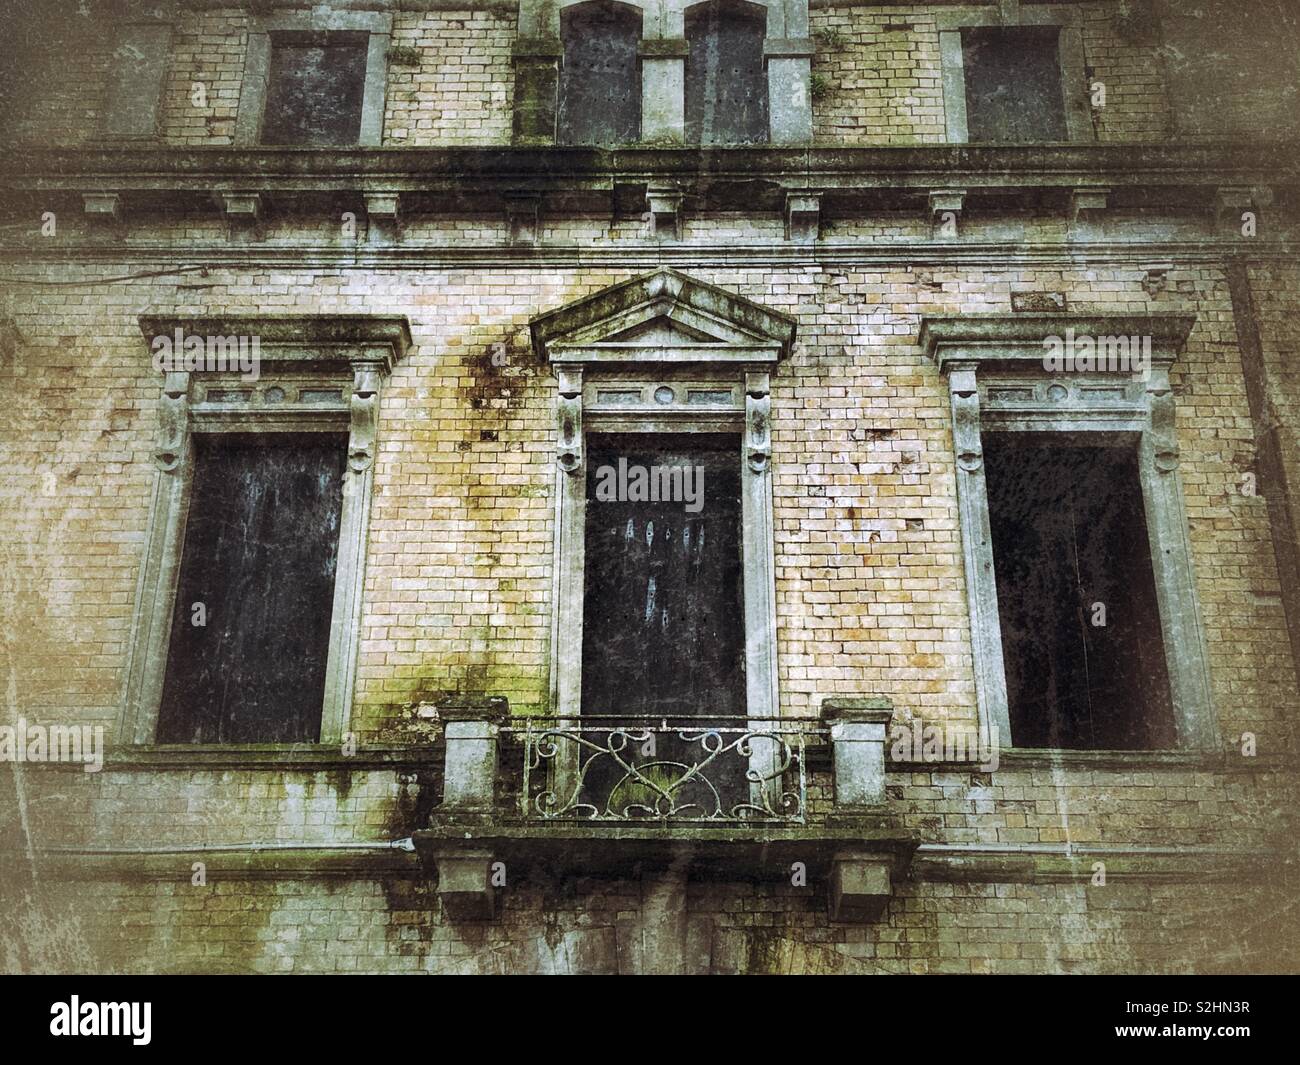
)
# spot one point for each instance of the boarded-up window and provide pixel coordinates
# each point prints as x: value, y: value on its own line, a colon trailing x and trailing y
x: 1013, y: 84
x: 1081, y: 633
x: 315, y: 88
x: 726, y: 81
x: 257, y: 570
x: 600, y: 83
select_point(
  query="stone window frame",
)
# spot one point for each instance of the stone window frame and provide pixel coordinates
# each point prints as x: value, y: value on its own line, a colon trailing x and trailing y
x: 257, y: 67
x: 589, y: 368
x: 1009, y: 14
x: 353, y: 354
x: 787, y: 50
x: 993, y: 365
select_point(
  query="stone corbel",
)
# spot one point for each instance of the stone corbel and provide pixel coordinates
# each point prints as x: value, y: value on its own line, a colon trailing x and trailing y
x: 242, y: 211
x: 173, y: 421
x: 522, y: 210
x: 569, y: 415
x: 364, y: 417
x: 1155, y: 278
x: 102, y: 207
x: 758, y: 430
x: 802, y: 217
x: 383, y: 216
x: 942, y: 202
x: 1232, y: 203
x: 1086, y: 203
x: 664, y: 207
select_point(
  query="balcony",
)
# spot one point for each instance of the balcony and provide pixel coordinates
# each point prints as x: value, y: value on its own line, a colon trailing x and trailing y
x: 719, y: 798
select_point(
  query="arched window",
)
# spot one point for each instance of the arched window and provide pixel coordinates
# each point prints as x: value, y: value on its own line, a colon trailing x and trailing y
x: 600, y: 83
x: 726, y: 83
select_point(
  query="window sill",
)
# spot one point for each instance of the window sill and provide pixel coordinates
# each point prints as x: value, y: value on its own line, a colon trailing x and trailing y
x: 264, y: 756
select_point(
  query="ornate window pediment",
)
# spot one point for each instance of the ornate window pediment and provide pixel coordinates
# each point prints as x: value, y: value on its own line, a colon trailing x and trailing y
x: 663, y: 317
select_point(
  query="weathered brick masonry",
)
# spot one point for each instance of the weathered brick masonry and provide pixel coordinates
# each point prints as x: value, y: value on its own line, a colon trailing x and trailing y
x: 1059, y: 861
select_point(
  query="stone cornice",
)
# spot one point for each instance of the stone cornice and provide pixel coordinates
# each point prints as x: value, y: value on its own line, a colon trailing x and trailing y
x: 319, y: 340
x: 468, y: 169
x: 1010, y: 340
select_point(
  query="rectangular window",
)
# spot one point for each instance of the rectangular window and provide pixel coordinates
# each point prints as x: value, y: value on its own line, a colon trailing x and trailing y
x: 600, y: 79
x: 251, y: 623
x: 663, y: 611
x: 726, y: 78
x: 315, y: 89
x: 1081, y: 633
x: 1013, y: 84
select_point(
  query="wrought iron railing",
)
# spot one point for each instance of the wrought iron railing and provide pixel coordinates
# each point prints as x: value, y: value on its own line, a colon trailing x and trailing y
x: 717, y: 770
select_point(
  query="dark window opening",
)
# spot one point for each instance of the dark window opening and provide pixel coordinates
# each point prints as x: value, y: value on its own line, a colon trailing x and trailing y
x: 261, y: 546
x: 315, y: 88
x: 663, y: 614
x: 600, y: 82
x: 1070, y: 550
x: 726, y: 78
x: 1013, y: 84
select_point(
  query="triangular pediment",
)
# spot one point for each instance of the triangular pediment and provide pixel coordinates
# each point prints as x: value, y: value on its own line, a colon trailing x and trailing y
x: 665, y: 316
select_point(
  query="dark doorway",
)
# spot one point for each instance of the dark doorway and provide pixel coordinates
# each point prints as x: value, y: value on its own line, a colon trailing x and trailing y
x: 1081, y: 635
x: 663, y: 618
x: 261, y: 546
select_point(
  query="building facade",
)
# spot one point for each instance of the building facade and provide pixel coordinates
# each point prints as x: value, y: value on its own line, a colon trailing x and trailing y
x: 804, y: 486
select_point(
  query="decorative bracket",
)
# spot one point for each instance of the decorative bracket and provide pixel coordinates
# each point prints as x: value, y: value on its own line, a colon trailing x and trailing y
x: 243, y: 211
x: 522, y: 210
x: 802, y: 217
x: 383, y: 216
x: 965, y: 398
x: 943, y: 202
x: 102, y: 206
x: 758, y: 433
x: 173, y: 421
x: 1164, y: 433
x: 1087, y: 202
x: 364, y: 415
x: 569, y: 413
x: 664, y: 211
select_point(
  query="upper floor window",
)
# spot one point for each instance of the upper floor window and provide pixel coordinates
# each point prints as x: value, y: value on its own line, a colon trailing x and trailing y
x: 315, y: 86
x: 1013, y: 83
x: 726, y: 81
x: 600, y: 83
x: 315, y: 80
